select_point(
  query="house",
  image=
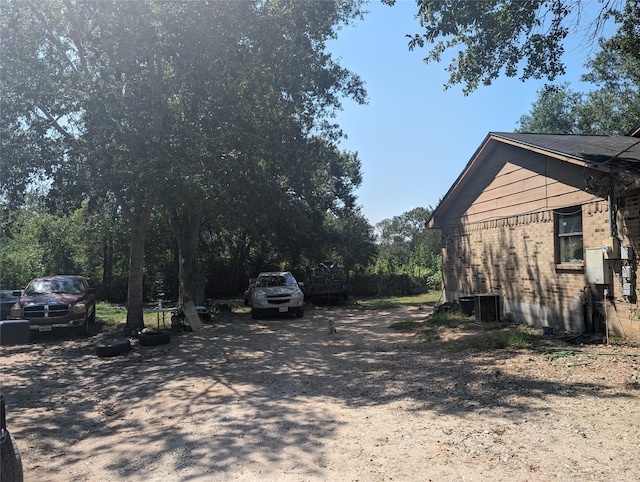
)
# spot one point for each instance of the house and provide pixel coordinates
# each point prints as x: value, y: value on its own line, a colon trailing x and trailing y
x: 549, y: 225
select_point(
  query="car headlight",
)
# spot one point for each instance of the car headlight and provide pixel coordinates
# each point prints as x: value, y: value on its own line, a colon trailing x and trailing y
x: 297, y: 293
x: 259, y: 294
x: 79, y: 308
x: 16, y: 312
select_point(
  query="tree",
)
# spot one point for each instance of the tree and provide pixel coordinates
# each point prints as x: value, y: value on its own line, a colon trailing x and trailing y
x: 506, y: 37
x: 407, y: 247
x: 627, y: 39
x: 554, y: 112
x: 166, y: 104
x: 610, y: 109
x: 401, y: 235
x: 350, y: 240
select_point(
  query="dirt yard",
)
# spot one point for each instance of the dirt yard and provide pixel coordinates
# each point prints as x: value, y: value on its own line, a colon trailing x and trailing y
x: 284, y: 400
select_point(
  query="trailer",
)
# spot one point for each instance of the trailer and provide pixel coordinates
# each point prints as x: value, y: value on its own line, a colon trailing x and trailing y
x: 326, y: 280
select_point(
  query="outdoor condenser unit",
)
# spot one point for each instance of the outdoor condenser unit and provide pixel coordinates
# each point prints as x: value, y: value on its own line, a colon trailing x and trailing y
x: 487, y: 307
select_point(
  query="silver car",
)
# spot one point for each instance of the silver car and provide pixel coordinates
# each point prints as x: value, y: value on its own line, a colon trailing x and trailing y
x: 276, y: 292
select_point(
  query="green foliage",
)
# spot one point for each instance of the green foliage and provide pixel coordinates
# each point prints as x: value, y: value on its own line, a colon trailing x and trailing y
x: 382, y: 303
x: 408, y: 256
x: 484, y: 40
x: 554, y: 112
x: 90, y: 240
x: 217, y: 110
x: 494, y: 38
x: 41, y: 243
x: 388, y: 284
x: 20, y: 255
x: 610, y: 109
x: 110, y: 314
x: 349, y: 239
x: 520, y: 336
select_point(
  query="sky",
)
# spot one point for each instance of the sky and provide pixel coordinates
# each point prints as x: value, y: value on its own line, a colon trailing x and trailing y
x: 413, y: 137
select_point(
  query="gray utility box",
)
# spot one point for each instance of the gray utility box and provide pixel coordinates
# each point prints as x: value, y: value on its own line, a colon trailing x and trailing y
x: 597, y: 267
x: 14, y: 332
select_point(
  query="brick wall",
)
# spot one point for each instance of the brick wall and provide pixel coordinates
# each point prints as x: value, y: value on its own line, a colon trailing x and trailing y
x: 515, y: 257
x: 623, y: 313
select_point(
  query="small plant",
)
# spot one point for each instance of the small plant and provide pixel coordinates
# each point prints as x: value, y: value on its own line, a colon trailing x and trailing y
x: 451, y: 319
x: 520, y: 336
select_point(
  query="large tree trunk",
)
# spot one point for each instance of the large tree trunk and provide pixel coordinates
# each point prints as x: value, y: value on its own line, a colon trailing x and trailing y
x: 135, y: 292
x: 107, y: 265
x: 138, y: 222
x: 185, y: 224
x: 239, y: 253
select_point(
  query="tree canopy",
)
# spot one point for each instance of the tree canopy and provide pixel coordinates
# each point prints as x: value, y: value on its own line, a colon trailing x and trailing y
x: 510, y: 37
x: 610, y: 108
x: 190, y: 107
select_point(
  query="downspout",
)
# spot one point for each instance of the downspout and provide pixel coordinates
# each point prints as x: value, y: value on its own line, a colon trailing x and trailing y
x: 610, y: 205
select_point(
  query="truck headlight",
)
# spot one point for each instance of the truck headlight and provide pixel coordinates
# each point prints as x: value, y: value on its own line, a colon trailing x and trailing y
x: 79, y: 308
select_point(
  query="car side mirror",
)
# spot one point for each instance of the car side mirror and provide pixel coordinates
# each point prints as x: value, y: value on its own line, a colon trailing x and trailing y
x: 17, y: 293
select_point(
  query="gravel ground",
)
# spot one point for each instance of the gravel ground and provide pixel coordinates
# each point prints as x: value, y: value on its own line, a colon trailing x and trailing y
x: 284, y: 400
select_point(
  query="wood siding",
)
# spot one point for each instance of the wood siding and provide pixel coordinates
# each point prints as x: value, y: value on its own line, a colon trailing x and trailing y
x: 513, y: 181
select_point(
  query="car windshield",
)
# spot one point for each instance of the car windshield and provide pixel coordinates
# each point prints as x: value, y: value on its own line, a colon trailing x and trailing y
x: 41, y: 287
x: 276, y: 280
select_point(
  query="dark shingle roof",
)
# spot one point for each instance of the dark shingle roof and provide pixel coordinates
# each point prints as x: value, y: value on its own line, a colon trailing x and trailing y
x: 618, y: 152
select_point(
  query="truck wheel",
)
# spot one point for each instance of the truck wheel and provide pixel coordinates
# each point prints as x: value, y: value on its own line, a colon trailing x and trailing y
x: 11, y: 468
x: 113, y: 347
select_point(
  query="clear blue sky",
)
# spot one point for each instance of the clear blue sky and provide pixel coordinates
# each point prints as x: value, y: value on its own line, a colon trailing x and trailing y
x: 412, y: 137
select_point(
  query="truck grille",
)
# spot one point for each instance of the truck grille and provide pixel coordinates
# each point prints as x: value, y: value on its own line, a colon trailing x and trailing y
x: 45, y: 311
x: 278, y: 299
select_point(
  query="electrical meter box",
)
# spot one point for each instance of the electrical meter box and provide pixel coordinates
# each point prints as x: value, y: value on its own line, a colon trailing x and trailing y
x: 596, y: 266
x: 611, y: 248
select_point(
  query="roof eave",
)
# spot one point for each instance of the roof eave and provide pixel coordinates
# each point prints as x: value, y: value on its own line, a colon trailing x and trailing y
x: 497, y: 137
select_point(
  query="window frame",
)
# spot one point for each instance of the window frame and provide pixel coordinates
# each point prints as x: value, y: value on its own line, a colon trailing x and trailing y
x: 561, y: 238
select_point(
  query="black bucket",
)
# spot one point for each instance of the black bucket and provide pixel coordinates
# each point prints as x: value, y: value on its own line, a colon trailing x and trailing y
x: 14, y: 332
x: 467, y: 304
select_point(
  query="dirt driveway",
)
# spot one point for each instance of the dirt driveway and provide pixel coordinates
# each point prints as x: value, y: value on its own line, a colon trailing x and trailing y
x: 284, y: 400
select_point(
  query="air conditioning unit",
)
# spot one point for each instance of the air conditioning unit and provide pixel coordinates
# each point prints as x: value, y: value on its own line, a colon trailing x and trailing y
x: 487, y: 307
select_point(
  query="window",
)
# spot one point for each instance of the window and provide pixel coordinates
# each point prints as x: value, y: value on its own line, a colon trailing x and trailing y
x: 569, y: 229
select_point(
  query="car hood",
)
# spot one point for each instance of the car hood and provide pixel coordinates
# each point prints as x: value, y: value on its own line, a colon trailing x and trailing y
x: 50, y: 299
x: 276, y: 290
